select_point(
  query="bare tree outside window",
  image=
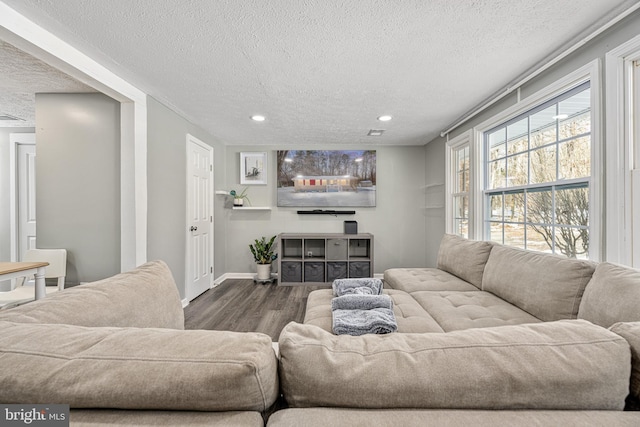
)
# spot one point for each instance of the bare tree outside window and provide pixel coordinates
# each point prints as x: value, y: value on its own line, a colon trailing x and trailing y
x: 538, y: 170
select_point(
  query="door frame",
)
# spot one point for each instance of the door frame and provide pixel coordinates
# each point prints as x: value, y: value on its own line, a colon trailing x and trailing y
x: 623, y: 200
x: 26, y: 35
x: 15, y: 139
x: 187, y: 283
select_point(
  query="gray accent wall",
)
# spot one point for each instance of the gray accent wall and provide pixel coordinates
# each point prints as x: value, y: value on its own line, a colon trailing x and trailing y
x: 397, y: 222
x: 167, y: 190
x: 78, y: 182
x: 595, y: 49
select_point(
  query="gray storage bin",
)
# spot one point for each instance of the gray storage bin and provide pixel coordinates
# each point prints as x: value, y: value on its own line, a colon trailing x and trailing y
x: 291, y: 271
x: 314, y: 271
x: 359, y: 269
x: 337, y: 249
x: 336, y: 270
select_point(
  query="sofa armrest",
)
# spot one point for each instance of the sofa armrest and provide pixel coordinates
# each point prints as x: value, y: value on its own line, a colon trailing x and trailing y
x: 631, y: 332
x: 132, y: 368
x: 556, y: 365
x: 145, y: 297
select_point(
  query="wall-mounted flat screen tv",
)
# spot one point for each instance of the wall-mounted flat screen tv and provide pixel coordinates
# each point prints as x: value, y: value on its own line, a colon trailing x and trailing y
x: 333, y: 178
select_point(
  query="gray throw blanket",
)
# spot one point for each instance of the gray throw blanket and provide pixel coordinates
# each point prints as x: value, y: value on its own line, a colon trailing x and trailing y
x: 360, y: 322
x: 361, y: 302
x: 363, y: 286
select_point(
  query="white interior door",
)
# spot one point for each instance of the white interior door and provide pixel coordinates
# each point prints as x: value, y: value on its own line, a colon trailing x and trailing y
x: 199, y: 264
x: 22, y: 194
x: 26, y: 198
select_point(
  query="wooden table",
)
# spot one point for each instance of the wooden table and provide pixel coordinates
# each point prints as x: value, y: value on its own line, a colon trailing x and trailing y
x: 13, y: 270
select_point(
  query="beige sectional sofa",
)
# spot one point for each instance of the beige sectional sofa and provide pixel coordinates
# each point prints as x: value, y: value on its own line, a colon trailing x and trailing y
x: 492, y: 336
x: 116, y: 351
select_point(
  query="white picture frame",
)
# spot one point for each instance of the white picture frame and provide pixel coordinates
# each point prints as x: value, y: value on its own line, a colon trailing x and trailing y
x: 253, y: 168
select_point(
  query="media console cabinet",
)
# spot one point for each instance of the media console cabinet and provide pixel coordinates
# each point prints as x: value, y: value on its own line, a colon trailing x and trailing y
x: 319, y: 259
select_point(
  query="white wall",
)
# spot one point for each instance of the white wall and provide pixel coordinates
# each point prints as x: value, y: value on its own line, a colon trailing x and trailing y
x: 167, y: 183
x: 78, y: 182
x: 397, y: 222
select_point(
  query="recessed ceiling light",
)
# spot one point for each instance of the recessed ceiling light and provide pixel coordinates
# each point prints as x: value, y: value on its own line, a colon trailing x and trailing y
x: 385, y: 118
x: 375, y: 132
x: 258, y: 118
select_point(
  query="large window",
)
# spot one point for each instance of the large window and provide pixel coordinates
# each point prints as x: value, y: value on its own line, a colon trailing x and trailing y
x: 538, y: 174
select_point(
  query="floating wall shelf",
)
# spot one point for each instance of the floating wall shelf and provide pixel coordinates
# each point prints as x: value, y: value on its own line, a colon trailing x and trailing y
x: 251, y: 208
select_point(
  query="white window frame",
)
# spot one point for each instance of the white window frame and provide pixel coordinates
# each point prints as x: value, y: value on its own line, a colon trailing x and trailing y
x: 453, y: 145
x: 589, y: 72
x: 623, y: 171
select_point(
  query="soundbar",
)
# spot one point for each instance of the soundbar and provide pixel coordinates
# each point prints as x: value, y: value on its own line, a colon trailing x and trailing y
x: 326, y: 212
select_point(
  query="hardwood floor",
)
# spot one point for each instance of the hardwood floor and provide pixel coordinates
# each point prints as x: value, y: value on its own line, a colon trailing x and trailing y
x: 243, y: 306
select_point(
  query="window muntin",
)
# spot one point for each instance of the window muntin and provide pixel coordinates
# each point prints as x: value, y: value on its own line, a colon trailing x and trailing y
x: 538, y: 172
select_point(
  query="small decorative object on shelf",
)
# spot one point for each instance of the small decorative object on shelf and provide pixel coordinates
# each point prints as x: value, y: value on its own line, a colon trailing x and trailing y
x: 238, y: 199
x: 263, y: 251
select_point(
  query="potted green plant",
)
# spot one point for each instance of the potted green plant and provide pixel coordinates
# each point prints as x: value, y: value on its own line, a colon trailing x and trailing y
x: 238, y: 199
x: 263, y: 251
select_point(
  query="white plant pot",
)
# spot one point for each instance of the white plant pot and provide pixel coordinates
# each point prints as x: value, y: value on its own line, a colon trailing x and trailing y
x: 264, y: 271
x: 238, y: 202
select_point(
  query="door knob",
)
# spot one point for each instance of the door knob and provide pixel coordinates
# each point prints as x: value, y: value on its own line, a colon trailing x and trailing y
x: 193, y: 228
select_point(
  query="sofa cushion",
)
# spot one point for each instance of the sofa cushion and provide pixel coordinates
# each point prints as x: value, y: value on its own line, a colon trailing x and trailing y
x: 146, y: 297
x: 133, y: 368
x: 322, y: 417
x: 410, y: 317
x: 129, y: 418
x: 554, y: 365
x: 464, y: 258
x: 424, y: 279
x: 631, y: 332
x: 613, y: 295
x: 464, y: 310
x: 547, y: 286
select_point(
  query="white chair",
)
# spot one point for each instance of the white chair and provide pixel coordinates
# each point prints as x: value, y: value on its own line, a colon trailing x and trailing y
x: 57, y: 259
x: 57, y: 269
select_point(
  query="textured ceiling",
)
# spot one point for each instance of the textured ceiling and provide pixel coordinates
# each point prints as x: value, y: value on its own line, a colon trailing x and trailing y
x: 21, y: 77
x: 321, y: 71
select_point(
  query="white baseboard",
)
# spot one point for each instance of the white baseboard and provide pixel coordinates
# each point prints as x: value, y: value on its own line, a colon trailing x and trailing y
x: 185, y: 302
x: 237, y: 276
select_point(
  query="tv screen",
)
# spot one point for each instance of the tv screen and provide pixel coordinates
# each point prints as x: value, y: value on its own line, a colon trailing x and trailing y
x: 333, y: 178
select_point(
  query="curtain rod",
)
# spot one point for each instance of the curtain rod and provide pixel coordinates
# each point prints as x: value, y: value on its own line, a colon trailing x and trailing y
x: 511, y: 87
